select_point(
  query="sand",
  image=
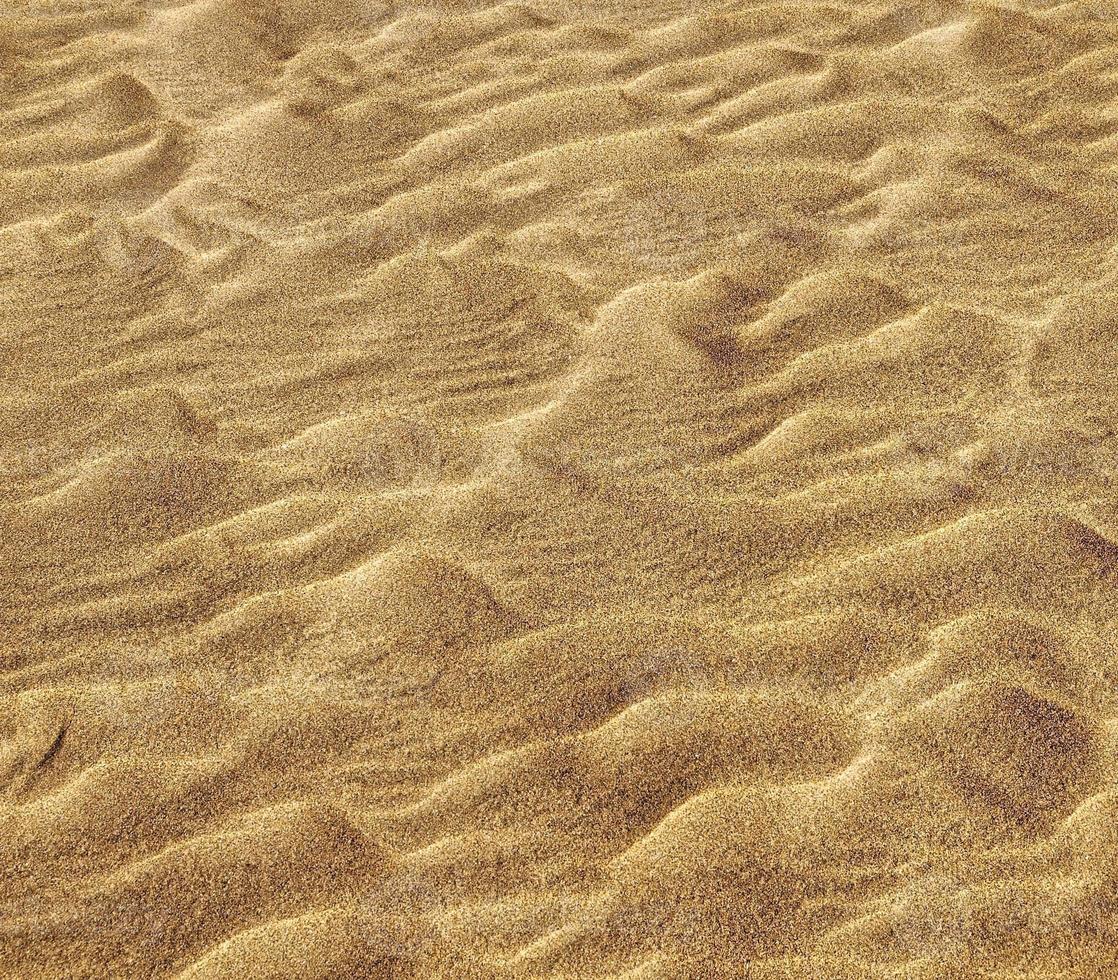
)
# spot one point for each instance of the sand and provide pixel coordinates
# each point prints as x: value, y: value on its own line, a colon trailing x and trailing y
x: 558, y: 490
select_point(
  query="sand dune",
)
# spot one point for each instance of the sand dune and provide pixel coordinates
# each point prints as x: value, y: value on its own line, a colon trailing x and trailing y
x: 558, y: 490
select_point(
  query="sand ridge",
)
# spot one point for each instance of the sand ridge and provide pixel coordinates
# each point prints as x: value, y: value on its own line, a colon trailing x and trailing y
x: 558, y: 490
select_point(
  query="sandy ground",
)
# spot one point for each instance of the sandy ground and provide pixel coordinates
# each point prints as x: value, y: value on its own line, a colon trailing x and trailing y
x: 553, y: 490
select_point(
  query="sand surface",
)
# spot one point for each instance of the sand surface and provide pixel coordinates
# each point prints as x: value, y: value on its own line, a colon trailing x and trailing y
x: 558, y: 490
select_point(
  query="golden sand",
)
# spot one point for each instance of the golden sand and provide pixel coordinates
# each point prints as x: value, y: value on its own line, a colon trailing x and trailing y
x: 553, y: 490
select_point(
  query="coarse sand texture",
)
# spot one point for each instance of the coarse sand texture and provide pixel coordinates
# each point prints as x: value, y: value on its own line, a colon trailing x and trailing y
x: 558, y: 489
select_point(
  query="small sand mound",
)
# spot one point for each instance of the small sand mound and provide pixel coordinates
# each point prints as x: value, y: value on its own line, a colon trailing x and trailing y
x: 1006, y: 748
x: 380, y: 450
x: 119, y: 101
x: 427, y: 601
x: 1011, y: 41
x: 989, y: 557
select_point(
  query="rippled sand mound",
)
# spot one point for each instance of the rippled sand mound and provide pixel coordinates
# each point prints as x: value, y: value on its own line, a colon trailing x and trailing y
x: 553, y: 490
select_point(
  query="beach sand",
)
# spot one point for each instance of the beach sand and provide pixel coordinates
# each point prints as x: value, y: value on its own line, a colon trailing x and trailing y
x: 558, y: 490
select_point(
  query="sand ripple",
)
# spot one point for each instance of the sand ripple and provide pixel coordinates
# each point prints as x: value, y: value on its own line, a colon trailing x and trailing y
x: 567, y: 490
